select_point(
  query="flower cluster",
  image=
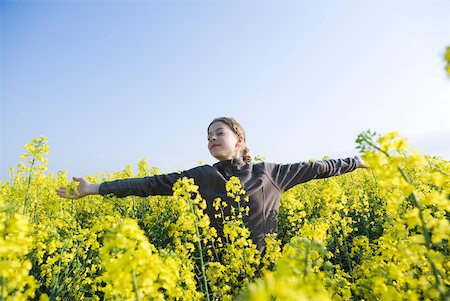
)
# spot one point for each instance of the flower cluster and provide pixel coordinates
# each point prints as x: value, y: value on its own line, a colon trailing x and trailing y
x: 15, y: 244
x: 375, y: 234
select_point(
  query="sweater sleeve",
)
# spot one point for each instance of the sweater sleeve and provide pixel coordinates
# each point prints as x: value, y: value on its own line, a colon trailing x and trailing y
x: 146, y: 186
x: 287, y: 176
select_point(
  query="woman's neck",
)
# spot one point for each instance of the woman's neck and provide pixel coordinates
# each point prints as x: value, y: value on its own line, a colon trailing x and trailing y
x: 238, y: 156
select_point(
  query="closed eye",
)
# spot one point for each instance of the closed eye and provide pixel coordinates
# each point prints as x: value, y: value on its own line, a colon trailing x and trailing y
x: 218, y: 134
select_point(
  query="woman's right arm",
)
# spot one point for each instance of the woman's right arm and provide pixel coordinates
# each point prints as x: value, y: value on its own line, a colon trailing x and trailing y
x: 146, y: 186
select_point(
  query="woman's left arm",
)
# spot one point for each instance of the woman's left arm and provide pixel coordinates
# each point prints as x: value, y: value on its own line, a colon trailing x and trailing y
x: 287, y: 176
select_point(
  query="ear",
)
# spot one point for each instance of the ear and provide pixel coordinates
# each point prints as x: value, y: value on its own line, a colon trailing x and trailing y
x: 240, y: 141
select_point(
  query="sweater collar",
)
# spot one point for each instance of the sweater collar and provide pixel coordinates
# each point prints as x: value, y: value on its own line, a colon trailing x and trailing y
x: 238, y: 163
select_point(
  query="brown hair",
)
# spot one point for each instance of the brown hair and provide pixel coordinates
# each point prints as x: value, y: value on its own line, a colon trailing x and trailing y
x: 239, y: 131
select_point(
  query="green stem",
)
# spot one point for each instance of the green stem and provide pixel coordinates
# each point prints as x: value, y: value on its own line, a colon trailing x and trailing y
x: 349, y: 260
x: 135, y: 286
x: 55, y: 282
x: 243, y: 251
x: 28, y: 186
x: 426, y: 233
x: 223, y: 221
x: 305, y: 271
x: 200, y: 251
x: 3, y: 295
x: 11, y: 174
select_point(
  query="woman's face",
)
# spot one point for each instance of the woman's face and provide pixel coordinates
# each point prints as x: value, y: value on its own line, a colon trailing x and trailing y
x: 223, y: 143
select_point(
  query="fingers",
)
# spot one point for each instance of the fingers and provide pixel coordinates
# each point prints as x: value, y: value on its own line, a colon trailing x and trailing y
x: 72, y: 193
x: 62, y: 192
x: 360, y: 162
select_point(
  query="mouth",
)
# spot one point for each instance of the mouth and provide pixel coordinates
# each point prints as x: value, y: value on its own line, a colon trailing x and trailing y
x: 213, y: 146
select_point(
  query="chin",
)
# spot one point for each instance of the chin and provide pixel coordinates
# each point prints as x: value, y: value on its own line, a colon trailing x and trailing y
x: 215, y: 154
x: 218, y: 158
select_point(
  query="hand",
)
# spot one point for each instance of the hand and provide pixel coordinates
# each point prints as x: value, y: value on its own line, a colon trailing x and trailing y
x: 84, y: 188
x: 359, y: 162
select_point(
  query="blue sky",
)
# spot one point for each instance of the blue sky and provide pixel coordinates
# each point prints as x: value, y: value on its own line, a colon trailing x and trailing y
x: 111, y: 82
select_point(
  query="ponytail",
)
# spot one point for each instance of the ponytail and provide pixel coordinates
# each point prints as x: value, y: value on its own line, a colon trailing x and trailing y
x: 246, y: 155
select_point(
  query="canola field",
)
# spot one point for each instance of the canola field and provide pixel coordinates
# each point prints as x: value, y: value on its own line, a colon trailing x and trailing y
x: 374, y: 234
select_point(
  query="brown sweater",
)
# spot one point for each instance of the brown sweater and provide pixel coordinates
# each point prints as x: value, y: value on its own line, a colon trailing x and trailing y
x: 263, y: 182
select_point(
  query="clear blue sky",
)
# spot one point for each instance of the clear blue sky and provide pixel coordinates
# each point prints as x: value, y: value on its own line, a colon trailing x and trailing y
x: 111, y: 82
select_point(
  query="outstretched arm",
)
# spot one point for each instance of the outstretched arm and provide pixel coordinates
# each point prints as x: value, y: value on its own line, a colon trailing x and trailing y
x: 146, y: 186
x: 84, y: 188
x: 288, y: 175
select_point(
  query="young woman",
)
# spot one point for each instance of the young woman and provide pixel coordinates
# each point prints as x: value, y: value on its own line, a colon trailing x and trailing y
x: 263, y: 182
